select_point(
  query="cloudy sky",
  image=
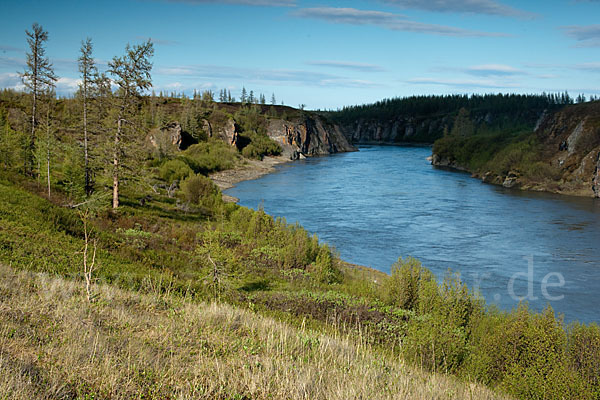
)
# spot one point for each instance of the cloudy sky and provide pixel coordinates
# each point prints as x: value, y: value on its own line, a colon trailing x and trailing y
x: 325, y: 54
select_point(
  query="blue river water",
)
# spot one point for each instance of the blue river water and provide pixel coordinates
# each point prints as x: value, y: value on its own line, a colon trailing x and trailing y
x: 385, y: 202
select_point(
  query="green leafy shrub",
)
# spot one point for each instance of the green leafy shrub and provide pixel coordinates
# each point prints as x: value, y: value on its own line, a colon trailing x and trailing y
x: 324, y: 270
x: 200, y: 190
x: 584, y: 353
x: 541, y: 172
x: 211, y: 156
x: 174, y: 170
x: 261, y: 146
x: 402, y: 288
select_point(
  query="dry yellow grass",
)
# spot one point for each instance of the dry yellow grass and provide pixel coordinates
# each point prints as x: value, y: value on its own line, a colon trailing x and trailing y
x: 53, y: 344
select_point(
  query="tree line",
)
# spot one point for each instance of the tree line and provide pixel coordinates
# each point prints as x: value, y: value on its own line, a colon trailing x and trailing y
x: 419, y: 106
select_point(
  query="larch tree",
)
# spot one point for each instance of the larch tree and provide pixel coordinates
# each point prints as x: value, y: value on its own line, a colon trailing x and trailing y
x: 51, y: 98
x: 89, y: 76
x: 131, y: 73
x: 37, y: 77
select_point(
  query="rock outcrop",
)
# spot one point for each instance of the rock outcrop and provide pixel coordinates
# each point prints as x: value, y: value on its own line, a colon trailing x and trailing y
x: 567, y: 146
x: 170, y: 135
x: 407, y: 128
x: 308, y: 135
x: 403, y: 129
x: 596, y: 180
x: 571, y: 141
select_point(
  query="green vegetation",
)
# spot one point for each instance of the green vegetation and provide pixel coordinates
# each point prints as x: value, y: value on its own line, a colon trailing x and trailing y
x: 218, y: 251
x: 144, y: 328
x: 522, y: 106
x: 156, y: 346
x: 432, y: 117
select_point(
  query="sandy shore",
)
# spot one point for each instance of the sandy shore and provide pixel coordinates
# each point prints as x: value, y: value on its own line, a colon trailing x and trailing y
x: 252, y: 169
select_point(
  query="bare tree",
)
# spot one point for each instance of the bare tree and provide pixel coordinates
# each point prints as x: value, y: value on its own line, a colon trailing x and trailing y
x: 131, y: 73
x: 89, y: 75
x: 37, y: 76
x: 89, y: 266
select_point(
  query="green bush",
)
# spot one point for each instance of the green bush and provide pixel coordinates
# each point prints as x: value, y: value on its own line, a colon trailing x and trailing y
x: 261, y: 146
x: 324, y: 270
x: 584, y: 353
x: 541, y: 172
x: 174, y: 170
x: 200, y: 190
x: 211, y: 156
x: 402, y: 288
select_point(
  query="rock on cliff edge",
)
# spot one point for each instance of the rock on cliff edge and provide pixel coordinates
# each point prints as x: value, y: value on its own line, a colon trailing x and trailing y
x: 571, y: 141
x: 308, y: 135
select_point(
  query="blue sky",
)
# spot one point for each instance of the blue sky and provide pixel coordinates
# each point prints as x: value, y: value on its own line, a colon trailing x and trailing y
x: 324, y: 54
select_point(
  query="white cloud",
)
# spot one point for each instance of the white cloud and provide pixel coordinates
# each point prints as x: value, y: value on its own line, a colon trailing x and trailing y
x: 586, y: 35
x: 362, y: 67
x: 391, y: 21
x: 493, y: 70
x: 264, y: 3
x: 240, y: 74
x: 487, y: 7
x: 11, y: 80
x: 463, y: 83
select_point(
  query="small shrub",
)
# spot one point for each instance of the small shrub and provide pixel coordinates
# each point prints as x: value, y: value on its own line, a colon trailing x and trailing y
x: 324, y: 270
x: 261, y: 146
x: 211, y: 156
x: 404, y: 284
x: 584, y: 353
x: 200, y: 190
x: 174, y: 170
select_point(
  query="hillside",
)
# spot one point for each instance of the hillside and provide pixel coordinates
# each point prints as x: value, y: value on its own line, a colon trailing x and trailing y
x: 424, y: 119
x: 159, y: 346
x: 560, y: 154
x: 284, y: 298
x: 172, y: 246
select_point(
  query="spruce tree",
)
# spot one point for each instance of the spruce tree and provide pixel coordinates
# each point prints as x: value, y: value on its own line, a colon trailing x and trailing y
x: 89, y: 76
x: 37, y: 77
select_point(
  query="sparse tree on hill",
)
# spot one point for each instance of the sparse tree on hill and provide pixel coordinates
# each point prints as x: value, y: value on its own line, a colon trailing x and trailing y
x: 262, y: 99
x: 131, y: 74
x: 273, y: 101
x: 37, y: 77
x: 251, y: 98
x: 244, y: 95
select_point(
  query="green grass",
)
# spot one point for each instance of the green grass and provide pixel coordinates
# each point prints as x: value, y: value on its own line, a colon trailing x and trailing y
x: 244, y: 258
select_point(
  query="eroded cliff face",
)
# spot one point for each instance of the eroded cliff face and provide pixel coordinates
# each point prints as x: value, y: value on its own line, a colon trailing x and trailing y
x: 426, y: 129
x: 571, y: 143
x: 309, y: 135
x: 400, y: 130
x: 567, y: 155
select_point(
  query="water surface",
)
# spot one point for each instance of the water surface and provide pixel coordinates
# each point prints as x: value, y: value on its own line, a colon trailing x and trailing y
x: 384, y: 202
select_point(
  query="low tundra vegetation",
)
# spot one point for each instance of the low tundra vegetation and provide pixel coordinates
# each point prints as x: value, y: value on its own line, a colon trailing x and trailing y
x: 172, y: 260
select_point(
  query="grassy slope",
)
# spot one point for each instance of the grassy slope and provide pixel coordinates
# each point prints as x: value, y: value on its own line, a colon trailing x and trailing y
x: 53, y: 344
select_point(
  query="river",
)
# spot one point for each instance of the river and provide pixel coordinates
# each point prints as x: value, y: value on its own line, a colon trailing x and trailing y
x: 385, y: 202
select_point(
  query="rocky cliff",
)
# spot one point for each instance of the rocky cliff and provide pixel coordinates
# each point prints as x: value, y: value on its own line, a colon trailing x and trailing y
x: 401, y: 129
x: 308, y: 135
x: 561, y: 154
x: 571, y: 144
x: 299, y: 133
